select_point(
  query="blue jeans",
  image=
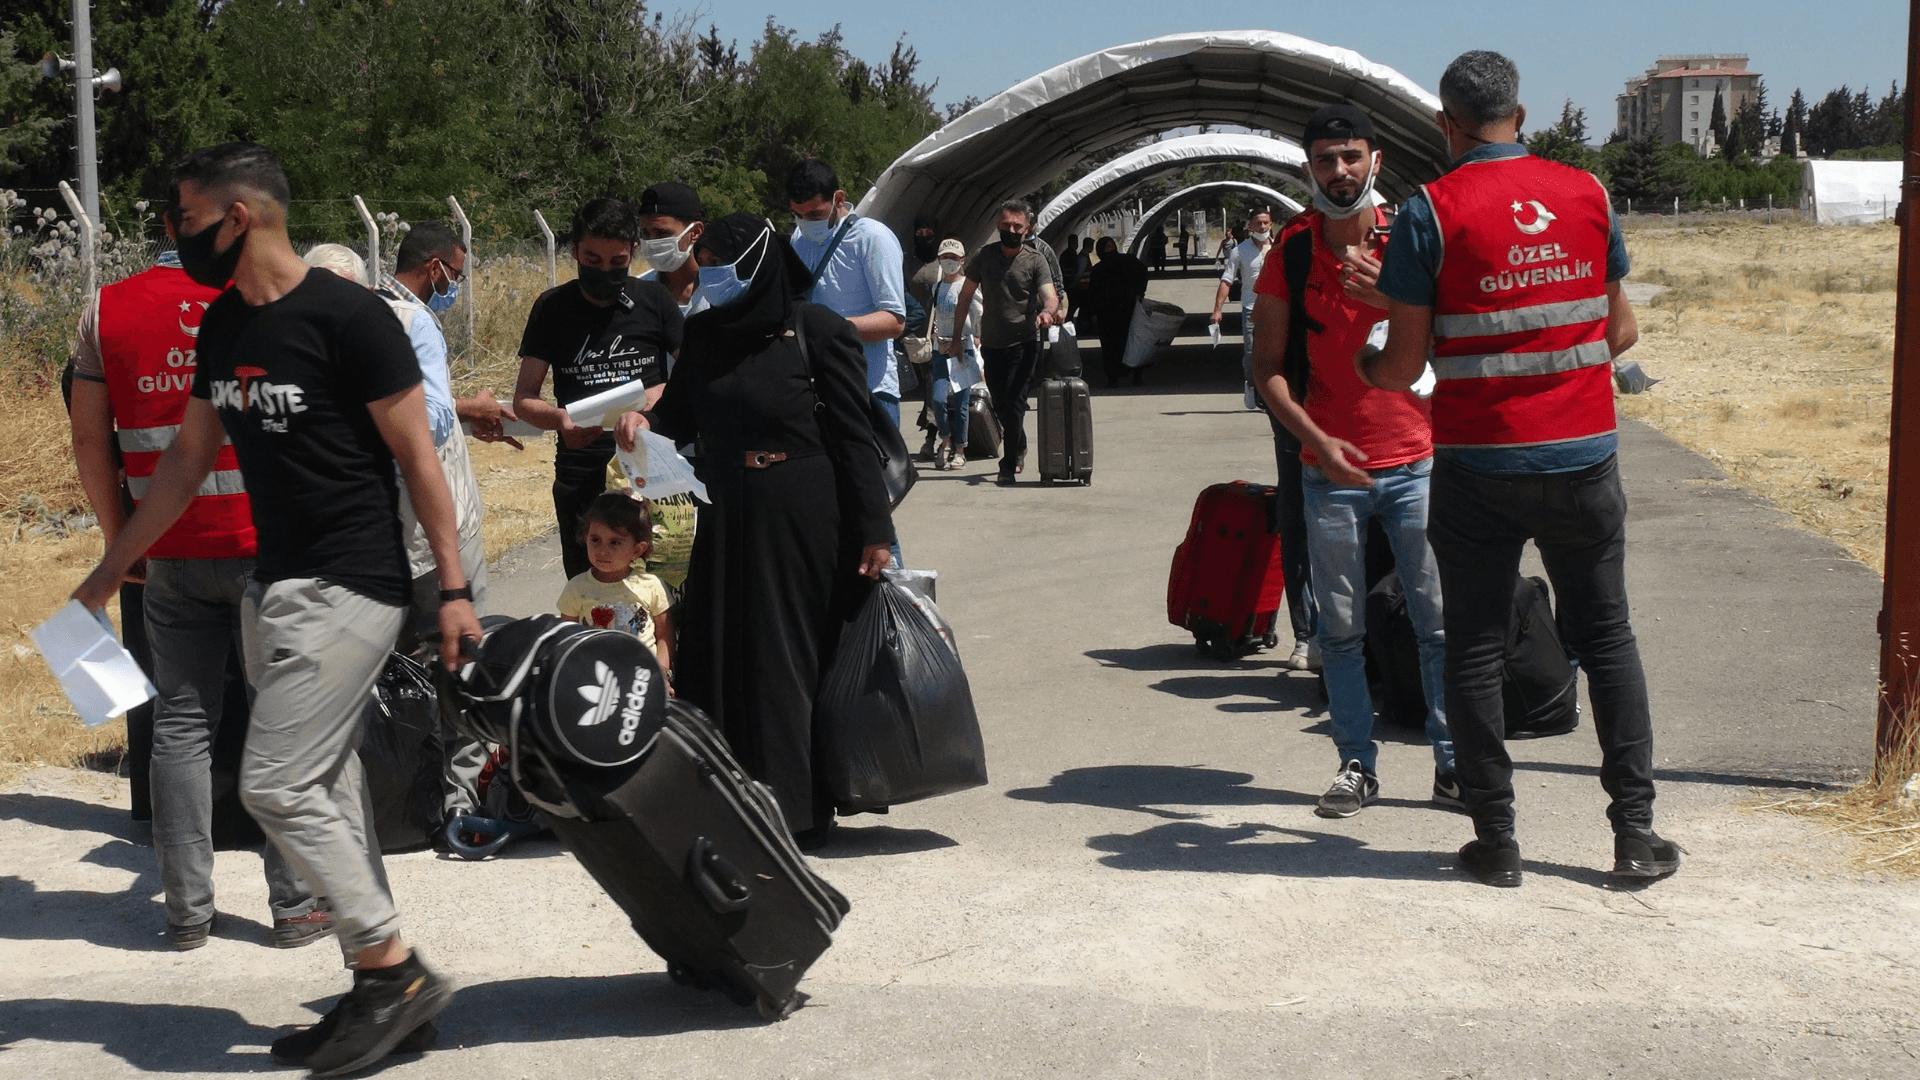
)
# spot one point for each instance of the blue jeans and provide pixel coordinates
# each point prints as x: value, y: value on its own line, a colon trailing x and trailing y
x: 949, y: 405
x: 1337, y: 544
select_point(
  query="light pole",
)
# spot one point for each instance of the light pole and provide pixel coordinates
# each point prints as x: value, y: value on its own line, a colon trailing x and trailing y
x: 84, y: 83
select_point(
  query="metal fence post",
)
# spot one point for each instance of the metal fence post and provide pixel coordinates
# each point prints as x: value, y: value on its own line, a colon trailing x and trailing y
x: 546, y: 234
x: 473, y: 272
x: 87, y: 260
x: 373, y: 241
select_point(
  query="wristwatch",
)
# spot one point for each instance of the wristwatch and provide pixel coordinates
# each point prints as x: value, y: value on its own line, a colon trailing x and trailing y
x: 464, y: 592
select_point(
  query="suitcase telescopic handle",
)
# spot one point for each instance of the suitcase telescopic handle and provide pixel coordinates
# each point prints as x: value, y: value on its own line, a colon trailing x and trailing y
x: 720, y: 883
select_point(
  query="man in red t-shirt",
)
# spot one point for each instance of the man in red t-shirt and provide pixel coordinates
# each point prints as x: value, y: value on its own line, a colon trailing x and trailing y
x: 1365, y: 453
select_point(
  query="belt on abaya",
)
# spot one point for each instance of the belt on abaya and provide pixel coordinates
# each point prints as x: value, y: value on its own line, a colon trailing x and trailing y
x: 767, y: 459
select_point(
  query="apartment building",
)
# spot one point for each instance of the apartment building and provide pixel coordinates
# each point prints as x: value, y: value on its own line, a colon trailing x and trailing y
x: 1676, y: 96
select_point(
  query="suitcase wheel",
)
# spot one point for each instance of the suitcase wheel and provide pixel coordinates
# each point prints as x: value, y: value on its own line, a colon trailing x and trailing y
x: 682, y: 975
x: 773, y: 1013
x: 1271, y: 641
x: 1220, y: 649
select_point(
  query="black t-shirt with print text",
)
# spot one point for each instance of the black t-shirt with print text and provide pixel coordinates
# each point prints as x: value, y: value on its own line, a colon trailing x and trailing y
x: 291, y: 381
x: 590, y: 348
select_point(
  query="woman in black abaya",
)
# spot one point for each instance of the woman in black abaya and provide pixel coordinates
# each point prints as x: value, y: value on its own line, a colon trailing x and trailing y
x: 799, y: 511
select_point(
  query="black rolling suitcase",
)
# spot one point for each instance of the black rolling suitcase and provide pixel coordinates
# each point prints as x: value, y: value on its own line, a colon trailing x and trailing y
x: 983, y: 427
x: 648, y: 797
x: 699, y: 857
x: 1065, y: 431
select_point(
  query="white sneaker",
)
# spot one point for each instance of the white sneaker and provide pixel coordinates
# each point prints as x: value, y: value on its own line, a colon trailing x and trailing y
x: 1298, y: 661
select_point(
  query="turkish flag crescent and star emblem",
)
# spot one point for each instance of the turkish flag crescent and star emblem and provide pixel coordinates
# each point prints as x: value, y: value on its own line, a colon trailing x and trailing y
x: 1542, y: 217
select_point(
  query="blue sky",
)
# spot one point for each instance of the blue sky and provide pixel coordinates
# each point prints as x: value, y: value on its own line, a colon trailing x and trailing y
x: 981, y: 47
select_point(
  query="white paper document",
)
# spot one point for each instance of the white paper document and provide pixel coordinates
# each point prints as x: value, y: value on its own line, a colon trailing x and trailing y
x: 1213, y: 332
x: 657, y: 470
x: 101, y: 678
x: 604, y: 408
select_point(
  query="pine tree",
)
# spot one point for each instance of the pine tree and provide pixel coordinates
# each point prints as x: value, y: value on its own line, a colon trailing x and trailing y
x: 1718, y: 125
x: 1792, y: 125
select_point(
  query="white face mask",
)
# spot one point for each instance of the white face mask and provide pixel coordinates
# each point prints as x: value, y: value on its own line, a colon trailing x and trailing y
x: 1261, y: 237
x: 1362, y: 202
x: 665, y: 253
x: 949, y: 267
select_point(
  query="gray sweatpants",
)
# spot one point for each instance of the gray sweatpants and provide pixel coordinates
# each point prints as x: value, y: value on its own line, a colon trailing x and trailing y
x: 313, y: 652
x: 462, y: 758
x: 192, y: 608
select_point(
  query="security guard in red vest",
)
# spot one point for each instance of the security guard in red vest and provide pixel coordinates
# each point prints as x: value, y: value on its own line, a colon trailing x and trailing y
x: 1509, y: 267
x: 132, y: 372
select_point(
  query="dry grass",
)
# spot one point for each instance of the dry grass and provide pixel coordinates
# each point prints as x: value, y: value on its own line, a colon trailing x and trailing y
x: 1776, y: 344
x: 36, y: 726
x: 1882, y: 813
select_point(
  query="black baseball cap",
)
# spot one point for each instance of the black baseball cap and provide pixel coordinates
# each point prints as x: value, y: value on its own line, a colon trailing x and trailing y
x: 1338, y: 121
x: 672, y: 199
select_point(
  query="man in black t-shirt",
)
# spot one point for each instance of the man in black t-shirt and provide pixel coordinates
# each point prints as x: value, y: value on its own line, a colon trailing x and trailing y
x: 604, y: 330
x: 315, y: 384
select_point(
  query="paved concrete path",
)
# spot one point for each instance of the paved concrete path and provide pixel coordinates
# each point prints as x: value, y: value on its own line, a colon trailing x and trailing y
x: 1142, y: 890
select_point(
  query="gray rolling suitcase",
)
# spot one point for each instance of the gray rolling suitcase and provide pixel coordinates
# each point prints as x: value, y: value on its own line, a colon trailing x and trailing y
x: 1065, y: 431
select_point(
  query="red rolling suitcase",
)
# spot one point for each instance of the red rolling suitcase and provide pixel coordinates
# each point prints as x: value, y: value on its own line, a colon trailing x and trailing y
x: 1226, y: 585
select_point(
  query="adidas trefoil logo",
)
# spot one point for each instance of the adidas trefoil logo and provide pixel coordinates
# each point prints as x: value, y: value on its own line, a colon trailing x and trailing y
x: 603, y: 695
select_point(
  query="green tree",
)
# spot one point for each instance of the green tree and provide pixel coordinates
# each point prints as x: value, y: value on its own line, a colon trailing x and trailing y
x: 1566, y: 141
x: 1794, y: 125
x: 24, y: 134
x: 1718, y: 123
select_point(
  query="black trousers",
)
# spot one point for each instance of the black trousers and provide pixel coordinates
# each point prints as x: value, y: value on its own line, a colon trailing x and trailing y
x: 1008, y: 371
x: 579, y: 476
x: 1294, y: 562
x: 1477, y: 525
x: 1114, y: 325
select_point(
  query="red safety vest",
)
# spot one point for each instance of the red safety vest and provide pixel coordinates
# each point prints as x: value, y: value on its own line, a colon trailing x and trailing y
x: 148, y: 328
x: 1520, y: 305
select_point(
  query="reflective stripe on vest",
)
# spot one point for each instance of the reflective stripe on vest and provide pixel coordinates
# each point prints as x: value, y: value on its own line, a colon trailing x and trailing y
x: 1520, y: 305
x: 218, y: 482
x: 150, y: 440
x: 1520, y: 320
x: 1511, y: 364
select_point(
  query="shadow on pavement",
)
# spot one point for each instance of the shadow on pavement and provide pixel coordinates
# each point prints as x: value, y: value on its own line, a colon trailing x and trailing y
x: 1255, y: 848
x: 128, y: 919
x: 1683, y: 776
x: 200, y: 1039
x: 1147, y: 788
x: 853, y: 843
x: 75, y: 815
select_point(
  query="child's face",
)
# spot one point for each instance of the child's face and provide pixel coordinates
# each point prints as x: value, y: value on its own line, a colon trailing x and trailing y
x: 613, y: 551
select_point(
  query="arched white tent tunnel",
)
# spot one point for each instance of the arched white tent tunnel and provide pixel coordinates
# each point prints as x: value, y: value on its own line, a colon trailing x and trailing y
x: 1107, y: 184
x: 1025, y: 136
x: 1279, y: 202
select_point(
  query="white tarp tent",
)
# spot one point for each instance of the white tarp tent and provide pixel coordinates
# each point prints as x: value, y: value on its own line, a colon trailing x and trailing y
x: 1262, y: 80
x: 1850, y: 192
x: 1275, y: 200
x: 1105, y: 185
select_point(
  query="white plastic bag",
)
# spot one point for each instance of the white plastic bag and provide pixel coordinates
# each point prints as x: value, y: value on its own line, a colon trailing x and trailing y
x: 1154, y: 324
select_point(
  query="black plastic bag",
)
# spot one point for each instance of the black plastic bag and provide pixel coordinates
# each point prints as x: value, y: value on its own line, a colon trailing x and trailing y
x: 1063, y: 356
x: 894, y: 719
x: 400, y: 753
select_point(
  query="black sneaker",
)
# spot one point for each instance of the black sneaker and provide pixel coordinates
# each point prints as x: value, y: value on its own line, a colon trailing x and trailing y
x: 383, y: 1008
x: 184, y: 938
x: 1446, y: 791
x: 1005, y: 479
x: 1494, y: 862
x: 1644, y: 856
x: 1354, y: 788
x: 297, y: 1048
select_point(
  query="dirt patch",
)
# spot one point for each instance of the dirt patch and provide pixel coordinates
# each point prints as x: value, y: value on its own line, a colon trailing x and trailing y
x: 1776, y: 346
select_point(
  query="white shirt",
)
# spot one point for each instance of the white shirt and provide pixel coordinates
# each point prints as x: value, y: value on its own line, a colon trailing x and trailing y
x: 1243, y: 266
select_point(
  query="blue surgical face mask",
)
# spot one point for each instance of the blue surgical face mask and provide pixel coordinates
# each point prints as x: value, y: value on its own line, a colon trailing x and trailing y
x: 819, y: 231
x: 441, y: 301
x: 722, y: 285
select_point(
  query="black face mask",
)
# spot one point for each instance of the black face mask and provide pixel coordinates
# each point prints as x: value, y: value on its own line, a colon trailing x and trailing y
x: 197, y: 256
x: 1011, y: 239
x: 603, y: 285
x: 925, y: 248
